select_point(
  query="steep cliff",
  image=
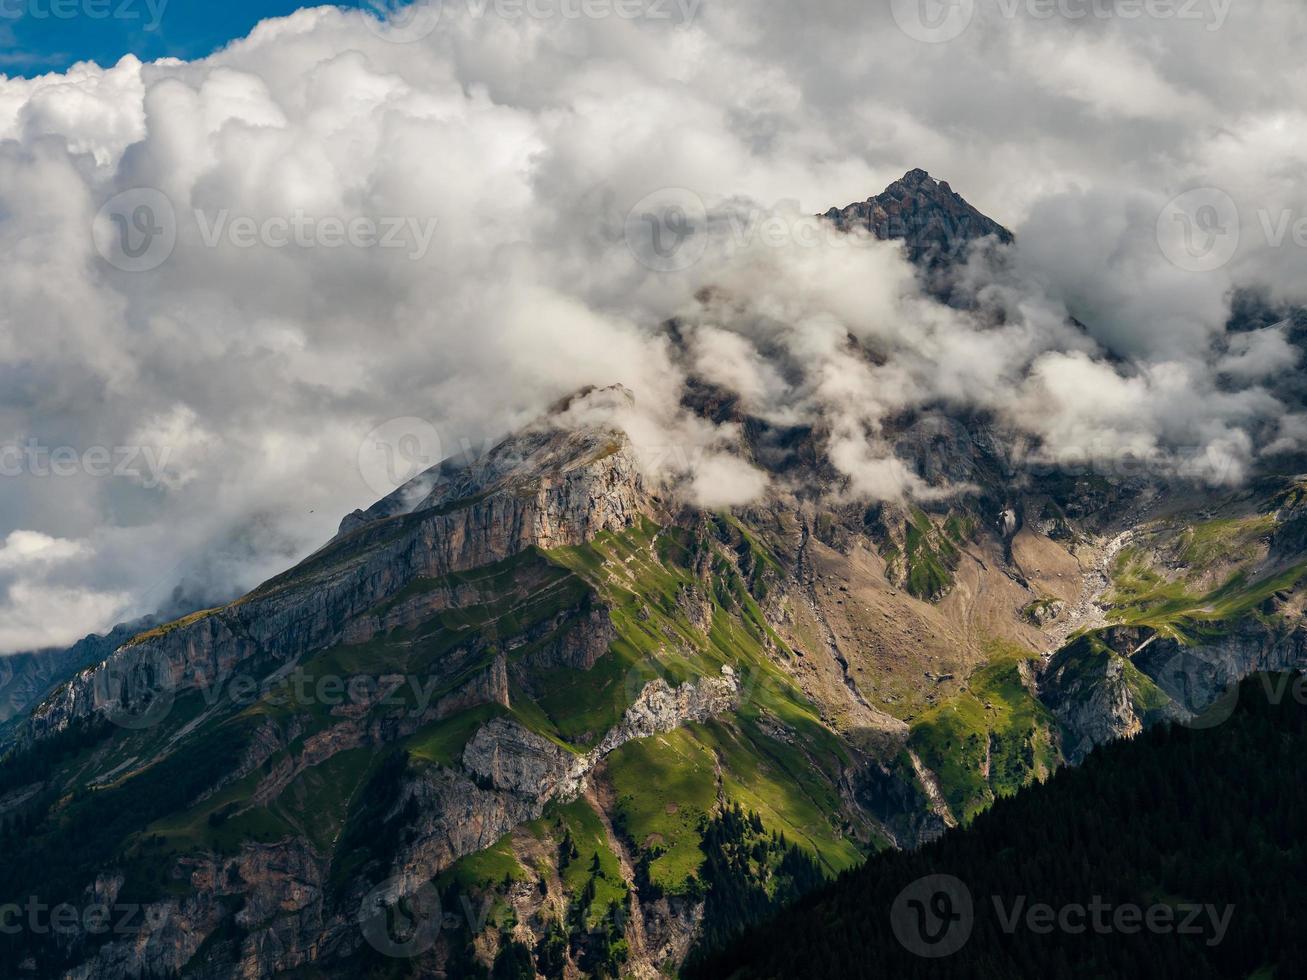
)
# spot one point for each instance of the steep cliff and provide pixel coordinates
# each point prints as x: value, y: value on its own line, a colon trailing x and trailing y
x: 546, y: 488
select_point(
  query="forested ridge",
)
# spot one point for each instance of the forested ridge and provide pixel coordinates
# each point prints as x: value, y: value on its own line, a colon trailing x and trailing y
x: 1179, y: 853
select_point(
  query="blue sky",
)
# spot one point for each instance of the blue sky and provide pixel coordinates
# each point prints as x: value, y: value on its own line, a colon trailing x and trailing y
x: 38, y: 36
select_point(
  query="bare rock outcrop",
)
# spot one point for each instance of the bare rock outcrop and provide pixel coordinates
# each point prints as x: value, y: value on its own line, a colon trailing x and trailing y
x: 569, y: 487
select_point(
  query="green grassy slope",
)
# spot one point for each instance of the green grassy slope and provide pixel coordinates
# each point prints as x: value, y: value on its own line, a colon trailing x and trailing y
x: 989, y: 740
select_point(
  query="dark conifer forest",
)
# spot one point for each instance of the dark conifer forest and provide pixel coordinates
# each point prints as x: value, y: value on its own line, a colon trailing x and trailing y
x: 1178, y: 854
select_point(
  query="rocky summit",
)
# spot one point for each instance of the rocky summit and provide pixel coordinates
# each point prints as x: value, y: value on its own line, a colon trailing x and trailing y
x: 935, y: 224
x: 534, y: 712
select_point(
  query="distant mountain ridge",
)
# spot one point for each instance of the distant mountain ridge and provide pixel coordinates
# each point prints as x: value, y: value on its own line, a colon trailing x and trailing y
x: 27, y: 677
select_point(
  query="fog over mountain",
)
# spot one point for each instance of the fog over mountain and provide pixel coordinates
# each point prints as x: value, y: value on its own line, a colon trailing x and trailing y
x: 198, y: 422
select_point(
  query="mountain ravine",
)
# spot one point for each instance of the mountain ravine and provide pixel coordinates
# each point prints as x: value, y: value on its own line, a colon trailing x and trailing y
x: 534, y: 713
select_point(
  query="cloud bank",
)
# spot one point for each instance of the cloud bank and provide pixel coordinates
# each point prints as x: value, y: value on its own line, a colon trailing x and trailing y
x: 367, y: 223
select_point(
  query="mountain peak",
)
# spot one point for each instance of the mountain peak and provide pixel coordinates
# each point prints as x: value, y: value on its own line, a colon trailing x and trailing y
x: 610, y: 395
x: 573, y: 432
x: 936, y: 224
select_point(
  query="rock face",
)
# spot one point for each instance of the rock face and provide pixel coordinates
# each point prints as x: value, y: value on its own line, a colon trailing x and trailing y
x: 546, y: 488
x: 1140, y: 677
x: 26, y: 678
x: 1095, y: 705
x: 935, y: 224
x: 511, y: 774
x: 1290, y: 539
x: 1198, y: 677
x: 280, y: 890
x: 509, y: 758
x: 908, y: 808
x: 508, y: 776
